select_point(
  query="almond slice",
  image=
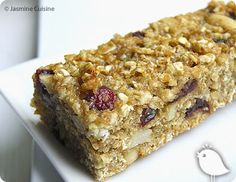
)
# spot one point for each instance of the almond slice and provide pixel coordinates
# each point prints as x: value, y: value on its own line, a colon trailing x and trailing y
x: 223, y: 21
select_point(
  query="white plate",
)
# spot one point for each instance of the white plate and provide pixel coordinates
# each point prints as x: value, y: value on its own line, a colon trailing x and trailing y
x: 174, y: 162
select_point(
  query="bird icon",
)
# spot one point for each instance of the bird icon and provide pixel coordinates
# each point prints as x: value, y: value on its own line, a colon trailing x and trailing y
x: 211, y: 162
x: 1, y: 1
x: 1, y: 179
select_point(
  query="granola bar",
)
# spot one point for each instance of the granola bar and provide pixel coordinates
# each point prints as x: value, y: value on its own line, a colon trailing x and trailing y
x: 136, y: 92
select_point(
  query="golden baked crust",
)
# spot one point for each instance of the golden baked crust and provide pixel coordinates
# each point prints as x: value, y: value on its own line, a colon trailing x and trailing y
x: 159, y: 82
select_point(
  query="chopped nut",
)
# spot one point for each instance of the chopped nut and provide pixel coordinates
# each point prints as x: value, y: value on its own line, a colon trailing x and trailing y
x: 144, y: 50
x: 131, y: 155
x: 123, y: 97
x: 44, y: 79
x: 99, y: 133
x: 156, y: 103
x: 169, y: 137
x: 165, y: 77
x: 170, y: 22
x: 140, y: 137
x: 76, y: 107
x: 105, y: 159
x: 42, y: 73
x: 171, y: 111
x: 167, y: 95
x: 222, y: 20
x: 92, y: 117
x: 145, y: 97
x: 168, y: 79
x: 106, y: 48
x: 203, y: 29
x: 67, y: 80
x: 64, y: 72
x: 140, y: 70
x: 179, y: 66
x: 125, y: 109
x: 210, y: 45
x: 108, y: 68
x: 104, y: 69
x: 226, y: 35
x: 198, y: 71
x: 103, y: 134
x: 214, y: 86
x: 208, y: 58
x: 131, y: 65
x: 123, y: 57
x: 215, y: 76
x: 114, y: 118
x: 69, y: 57
x: 202, y: 41
x: 184, y: 41
x: 100, y: 68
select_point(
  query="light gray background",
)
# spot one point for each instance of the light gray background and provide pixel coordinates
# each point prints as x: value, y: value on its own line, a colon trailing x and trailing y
x: 18, y: 43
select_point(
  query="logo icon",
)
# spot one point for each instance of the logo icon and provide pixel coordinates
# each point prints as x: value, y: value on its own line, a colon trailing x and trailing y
x: 1, y: 179
x: 1, y: 1
x: 211, y: 162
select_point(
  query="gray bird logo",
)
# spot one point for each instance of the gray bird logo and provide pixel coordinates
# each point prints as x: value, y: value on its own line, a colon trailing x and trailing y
x: 211, y: 162
x: 1, y: 179
x: 1, y: 1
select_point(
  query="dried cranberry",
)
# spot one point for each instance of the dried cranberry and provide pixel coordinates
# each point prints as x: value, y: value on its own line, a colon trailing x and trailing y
x: 138, y: 34
x: 103, y: 99
x: 232, y: 15
x: 42, y: 72
x: 200, y: 104
x: 220, y: 40
x: 41, y: 86
x: 187, y: 88
x: 38, y: 81
x: 147, y: 115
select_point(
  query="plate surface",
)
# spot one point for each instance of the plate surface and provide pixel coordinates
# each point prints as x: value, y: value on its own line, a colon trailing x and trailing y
x: 175, y: 161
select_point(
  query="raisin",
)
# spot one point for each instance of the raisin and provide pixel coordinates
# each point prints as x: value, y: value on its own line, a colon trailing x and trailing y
x: 220, y: 40
x: 103, y: 99
x: 42, y: 72
x: 200, y: 104
x: 232, y: 15
x: 147, y: 115
x: 187, y: 88
x: 89, y: 96
x: 138, y: 34
x: 80, y: 81
x: 41, y: 87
